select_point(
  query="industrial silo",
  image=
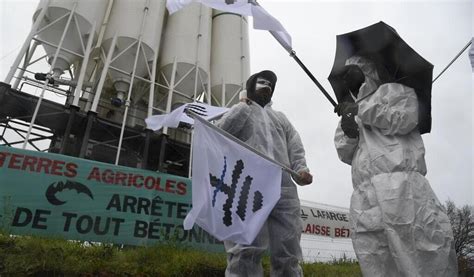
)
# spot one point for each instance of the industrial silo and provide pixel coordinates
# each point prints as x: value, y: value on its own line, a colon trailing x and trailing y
x: 137, y: 25
x: 230, y: 57
x: 67, y: 23
x: 140, y: 61
x: 185, y: 56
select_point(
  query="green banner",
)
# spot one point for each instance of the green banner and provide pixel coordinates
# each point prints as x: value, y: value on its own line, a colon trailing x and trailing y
x: 60, y: 196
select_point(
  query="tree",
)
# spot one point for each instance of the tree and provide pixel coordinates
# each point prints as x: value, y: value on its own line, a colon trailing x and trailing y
x: 462, y: 222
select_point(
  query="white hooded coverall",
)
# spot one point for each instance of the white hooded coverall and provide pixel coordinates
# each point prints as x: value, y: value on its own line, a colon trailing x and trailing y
x: 271, y: 133
x: 399, y: 227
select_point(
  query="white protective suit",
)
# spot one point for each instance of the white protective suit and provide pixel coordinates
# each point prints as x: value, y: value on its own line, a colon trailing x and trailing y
x: 399, y: 228
x: 271, y: 133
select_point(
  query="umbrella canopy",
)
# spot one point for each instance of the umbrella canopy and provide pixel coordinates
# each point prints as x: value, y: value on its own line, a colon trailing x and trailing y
x: 399, y: 63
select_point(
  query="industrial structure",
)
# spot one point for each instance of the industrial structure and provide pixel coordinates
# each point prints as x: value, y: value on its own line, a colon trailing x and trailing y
x: 90, y: 72
x: 108, y: 65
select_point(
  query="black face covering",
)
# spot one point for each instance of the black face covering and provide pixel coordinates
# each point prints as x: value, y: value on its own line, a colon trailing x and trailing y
x: 353, y: 78
x: 260, y: 87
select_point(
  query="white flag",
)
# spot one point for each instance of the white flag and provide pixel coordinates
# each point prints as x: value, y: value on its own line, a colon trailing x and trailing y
x: 262, y: 20
x: 234, y: 189
x: 172, y: 120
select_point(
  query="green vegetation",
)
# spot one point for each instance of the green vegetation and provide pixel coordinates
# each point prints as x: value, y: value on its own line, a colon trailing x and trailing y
x: 34, y: 256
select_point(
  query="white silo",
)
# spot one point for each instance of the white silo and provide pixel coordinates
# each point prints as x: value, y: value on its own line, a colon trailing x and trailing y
x: 230, y: 57
x: 76, y: 17
x: 185, y: 55
x: 132, y: 29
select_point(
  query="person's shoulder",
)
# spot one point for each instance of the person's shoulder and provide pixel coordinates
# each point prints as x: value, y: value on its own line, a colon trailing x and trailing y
x: 240, y: 106
x: 276, y: 112
x: 281, y: 116
x: 394, y: 88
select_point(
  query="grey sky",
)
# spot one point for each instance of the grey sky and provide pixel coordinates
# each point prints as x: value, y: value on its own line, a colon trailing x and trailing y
x: 437, y: 30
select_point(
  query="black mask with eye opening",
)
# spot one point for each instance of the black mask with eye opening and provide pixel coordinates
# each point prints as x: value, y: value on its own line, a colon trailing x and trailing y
x: 353, y: 77
x: 260, y: 87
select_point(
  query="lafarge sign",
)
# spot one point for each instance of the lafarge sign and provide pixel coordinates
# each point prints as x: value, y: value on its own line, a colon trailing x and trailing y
x: 321, y: 222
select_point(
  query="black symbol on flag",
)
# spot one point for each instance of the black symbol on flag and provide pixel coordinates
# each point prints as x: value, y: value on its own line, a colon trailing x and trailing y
x: 197, y: 109
x: 230, y: 191
x: 56, y: 187
x: 230, y: 2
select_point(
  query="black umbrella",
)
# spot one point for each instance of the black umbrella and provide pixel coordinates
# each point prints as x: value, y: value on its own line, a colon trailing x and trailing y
x: 401, y: 64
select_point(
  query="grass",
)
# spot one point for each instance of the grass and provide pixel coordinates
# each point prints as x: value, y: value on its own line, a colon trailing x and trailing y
x: 36, y: 256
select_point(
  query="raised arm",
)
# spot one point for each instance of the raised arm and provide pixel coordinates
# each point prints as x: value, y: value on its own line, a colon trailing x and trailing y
x: 393, y: 109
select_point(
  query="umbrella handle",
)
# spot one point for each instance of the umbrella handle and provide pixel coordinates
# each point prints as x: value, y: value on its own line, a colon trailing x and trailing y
x: 293, y: 55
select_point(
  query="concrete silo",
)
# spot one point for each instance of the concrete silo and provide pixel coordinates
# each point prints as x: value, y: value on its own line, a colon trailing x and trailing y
x: 230, y: 67
x: 185, y: 56
x: 133, y: 30
x: 126, y: 60
x: 65, y: 29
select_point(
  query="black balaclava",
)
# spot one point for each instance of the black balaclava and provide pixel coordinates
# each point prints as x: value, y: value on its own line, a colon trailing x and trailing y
x: 353, y: 77
x: 264, y: 95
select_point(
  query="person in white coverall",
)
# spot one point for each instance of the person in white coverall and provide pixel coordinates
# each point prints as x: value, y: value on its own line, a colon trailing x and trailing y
x: 399, y: 227
x: 255, y: 122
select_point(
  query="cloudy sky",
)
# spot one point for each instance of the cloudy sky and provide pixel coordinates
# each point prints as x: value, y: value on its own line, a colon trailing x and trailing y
x: 437, y: 30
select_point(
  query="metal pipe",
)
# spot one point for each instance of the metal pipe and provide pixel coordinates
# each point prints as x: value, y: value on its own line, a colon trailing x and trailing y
x: 146, y: 148
x: 82, y: 73
x: 209, y: 89
x: 242, y: 57
x: 127, y: 103
x: 197, y: 51
x: 100, y: 86
x: 161, y: 156
x: 67, y: 132
x: 104, y: 24
x: 151, y: 94
x: 151, y: 100
x: 87, y: 132
x: 223, y: 93
x: 170, y: 91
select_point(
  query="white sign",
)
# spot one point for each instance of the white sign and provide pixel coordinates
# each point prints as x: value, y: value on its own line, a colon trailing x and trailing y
x: 321, y: 222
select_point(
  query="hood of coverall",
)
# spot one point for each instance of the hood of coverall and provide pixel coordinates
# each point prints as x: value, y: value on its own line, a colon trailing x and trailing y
x: 262, y: 100
x: 372, y: 79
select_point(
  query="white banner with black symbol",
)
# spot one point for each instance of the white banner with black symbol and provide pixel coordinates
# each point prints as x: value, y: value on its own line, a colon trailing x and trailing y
x: 234, y: 189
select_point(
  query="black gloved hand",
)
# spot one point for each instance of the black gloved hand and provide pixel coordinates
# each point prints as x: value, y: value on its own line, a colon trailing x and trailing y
x: 349, y: 126
x: 346, y: 108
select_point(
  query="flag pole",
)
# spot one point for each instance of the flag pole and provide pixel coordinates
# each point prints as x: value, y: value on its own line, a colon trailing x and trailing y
x: 241, y: 143
x: 293, y: 55
x: 300, y: 63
